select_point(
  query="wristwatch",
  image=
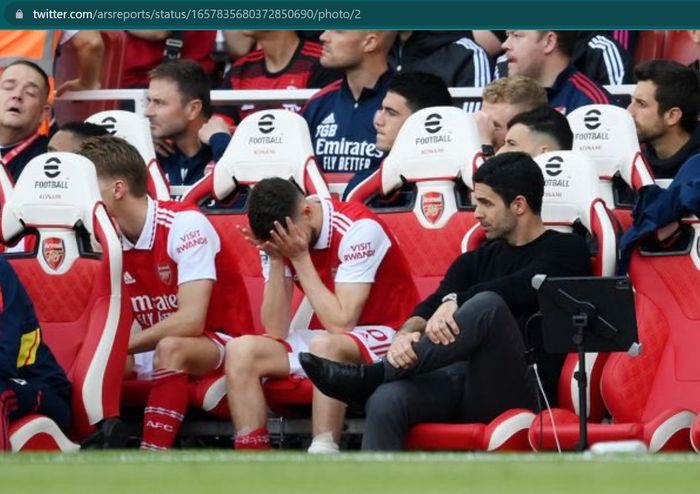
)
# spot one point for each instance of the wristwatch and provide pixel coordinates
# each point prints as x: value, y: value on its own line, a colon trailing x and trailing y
x: 450, y: 297
x: 487, y: 150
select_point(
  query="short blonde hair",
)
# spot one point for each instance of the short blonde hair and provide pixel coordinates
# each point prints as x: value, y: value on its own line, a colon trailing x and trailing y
x: 519, y: 90
x: 113, y: 157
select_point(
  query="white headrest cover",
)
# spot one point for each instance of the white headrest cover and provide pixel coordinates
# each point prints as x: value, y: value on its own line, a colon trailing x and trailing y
x: 570, y: 186
x: 607, y: 134
x: 131, y: 127
x: 268, y: 143
x: 55, y: 190
x: 434, y: 143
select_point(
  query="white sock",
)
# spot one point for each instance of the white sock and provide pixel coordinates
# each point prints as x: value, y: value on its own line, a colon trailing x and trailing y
x: 323, y: 444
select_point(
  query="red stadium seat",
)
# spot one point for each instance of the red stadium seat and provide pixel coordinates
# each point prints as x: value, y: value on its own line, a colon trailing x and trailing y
x: 110, y: 76
x: 136, y: 130
x: 695, y: 435
x: 655, y: 396
x: 422, y: 190
x: 607, y: 135
x: 274, y: 143
x: 650, y: 45
x: 76, y: 289
x: 680, y: 47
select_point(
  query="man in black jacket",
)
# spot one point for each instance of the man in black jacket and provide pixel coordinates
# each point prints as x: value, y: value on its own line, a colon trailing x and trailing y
x: 461, y: 355
x: 665, y: 107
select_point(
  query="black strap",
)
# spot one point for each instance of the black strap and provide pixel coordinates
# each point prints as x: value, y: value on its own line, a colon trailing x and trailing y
x: 173, y: 46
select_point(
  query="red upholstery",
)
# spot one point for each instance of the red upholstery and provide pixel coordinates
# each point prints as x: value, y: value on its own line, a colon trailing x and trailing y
x: 110, y: 76
x: 650, y: 45
x: 680, y: 47
x: 78, y: 301
x: 695, y: 434
x: 655, y: 396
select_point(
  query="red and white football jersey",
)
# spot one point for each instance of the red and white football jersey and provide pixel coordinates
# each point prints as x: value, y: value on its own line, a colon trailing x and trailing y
x: 354, y: 246
x: 177, y: 245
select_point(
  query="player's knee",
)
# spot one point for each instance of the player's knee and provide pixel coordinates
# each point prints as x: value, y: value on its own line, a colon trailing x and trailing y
x: 170, y: 353
x: 326, y: 346
x: 240, y: 356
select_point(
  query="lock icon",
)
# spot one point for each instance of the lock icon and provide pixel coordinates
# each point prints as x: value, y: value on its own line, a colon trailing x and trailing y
x: 19, y: 14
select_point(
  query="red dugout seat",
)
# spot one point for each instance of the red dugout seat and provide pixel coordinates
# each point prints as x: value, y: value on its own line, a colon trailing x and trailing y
x: 607, y: 135
x: 76, y: 290
x: 136, y: 130
x: 655, y: 396
x: 422, y: 190
x: 271, y: 143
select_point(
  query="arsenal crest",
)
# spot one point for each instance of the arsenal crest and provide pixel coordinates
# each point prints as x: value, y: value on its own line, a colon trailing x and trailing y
x: 432, y: 204
x: 54, y: 252
x: 165, y: 273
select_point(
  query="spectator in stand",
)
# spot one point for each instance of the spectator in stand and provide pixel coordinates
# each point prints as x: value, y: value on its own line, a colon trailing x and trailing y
x: 71, y: 135
x: 340, y: 115
x: 546, y: 56
x: 179, y: 110
x: 695, y: 36
x: 597, y: 54
x: 451, y: 55
x: 282, y: 61
x: 538, y: 131
x: 665, y: 107
x: 145, y: 50
x: 24, y: 92
x: 502, y: 100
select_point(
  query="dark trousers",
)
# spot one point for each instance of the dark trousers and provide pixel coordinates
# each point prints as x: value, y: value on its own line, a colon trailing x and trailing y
x: 482, y: 374
x: 23, y: 397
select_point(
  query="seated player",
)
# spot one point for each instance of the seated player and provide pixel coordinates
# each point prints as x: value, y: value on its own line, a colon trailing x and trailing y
x: 172, y: 255
x: 357, y: 281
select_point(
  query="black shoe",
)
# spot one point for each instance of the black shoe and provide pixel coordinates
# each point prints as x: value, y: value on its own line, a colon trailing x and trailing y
x: 350, y: 383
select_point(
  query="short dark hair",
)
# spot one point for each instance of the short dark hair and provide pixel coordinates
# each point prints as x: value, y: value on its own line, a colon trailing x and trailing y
x: 113, y: 157
x: 84, y: 129
x: 566, y: 41
x: 546, y: 120
x: 272, y: 199
x: 511, y: 175
x: 38, y: 69
x: 421, y: 90
x: 676, y: 86
x: 192, y: 82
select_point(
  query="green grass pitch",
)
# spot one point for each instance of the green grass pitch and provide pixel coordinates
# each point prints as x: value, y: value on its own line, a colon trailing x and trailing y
x: 203, y: 471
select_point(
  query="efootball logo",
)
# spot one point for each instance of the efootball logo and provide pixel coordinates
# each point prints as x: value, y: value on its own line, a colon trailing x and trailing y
x: 266, y: 124
x: 433, y: 123
x: 51, y: 169
x: 592, y: 119
x: 553, y: 166
x: 110, y: 125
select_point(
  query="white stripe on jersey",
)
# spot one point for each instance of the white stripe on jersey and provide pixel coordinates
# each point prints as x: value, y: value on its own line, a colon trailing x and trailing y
x: 482, y: 72
x: 341, y: 222
x: 611, y: 57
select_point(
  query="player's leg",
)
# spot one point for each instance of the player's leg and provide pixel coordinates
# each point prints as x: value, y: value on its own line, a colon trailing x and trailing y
x: 194, y: 356
x: 328, y: 414
x: 248, y: 359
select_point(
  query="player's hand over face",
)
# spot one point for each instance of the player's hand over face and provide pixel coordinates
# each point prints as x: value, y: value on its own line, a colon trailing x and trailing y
x: 267, y: 247
x: 441, y: 327
x: 292, y: 242
x: 401, y: 353
x: 486, y: 127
